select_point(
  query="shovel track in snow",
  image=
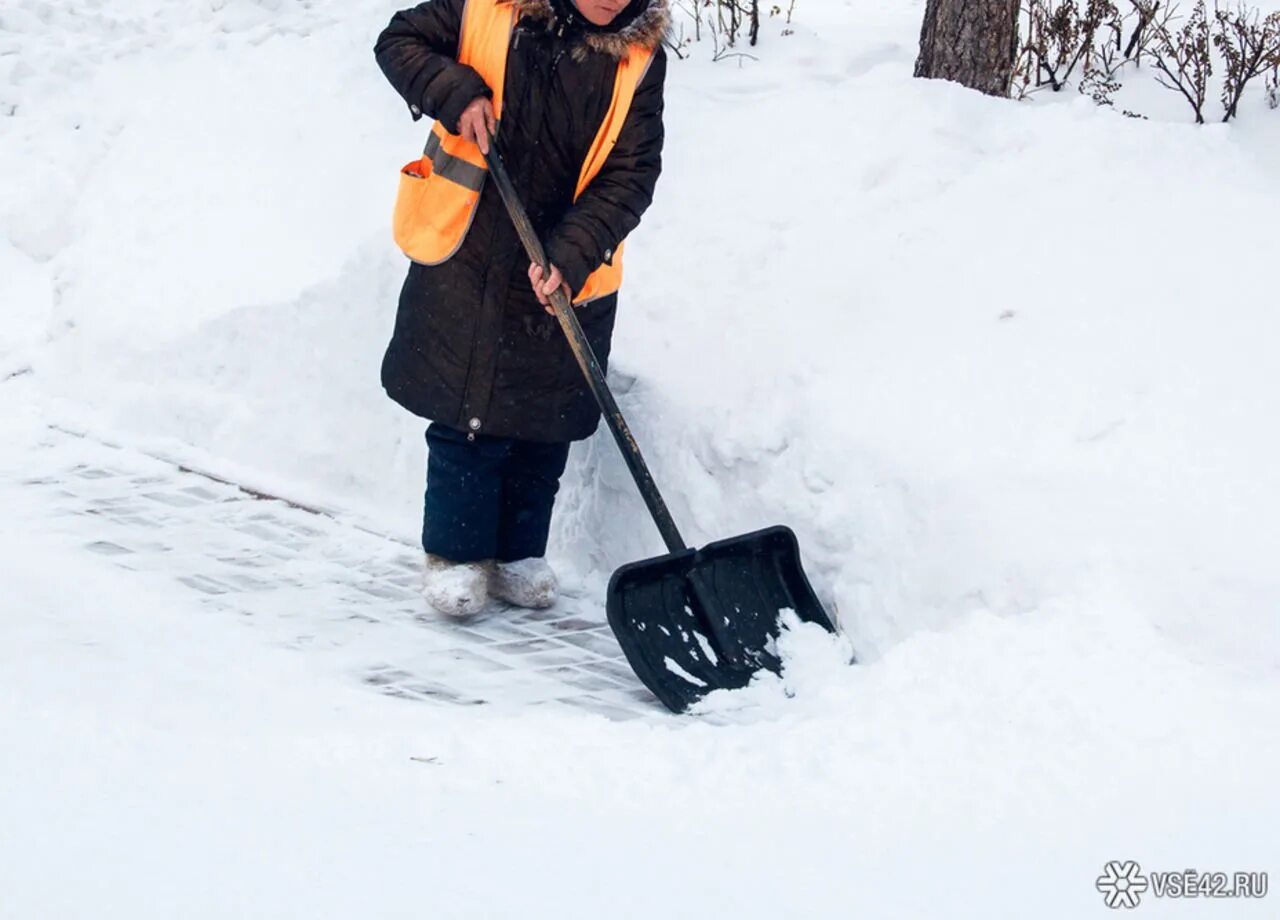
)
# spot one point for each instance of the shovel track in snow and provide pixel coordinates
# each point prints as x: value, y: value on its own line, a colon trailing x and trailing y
x: 313, y: 580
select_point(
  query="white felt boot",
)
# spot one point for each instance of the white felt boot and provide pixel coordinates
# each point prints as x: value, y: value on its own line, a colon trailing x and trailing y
x: 455, y: 589
x: 525, y: 583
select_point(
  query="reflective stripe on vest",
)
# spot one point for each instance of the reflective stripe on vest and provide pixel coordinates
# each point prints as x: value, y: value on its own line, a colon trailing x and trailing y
x: 439, y: 192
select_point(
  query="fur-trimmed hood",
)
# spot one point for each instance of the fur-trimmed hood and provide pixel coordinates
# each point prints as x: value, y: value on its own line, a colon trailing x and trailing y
x: 647, y: 27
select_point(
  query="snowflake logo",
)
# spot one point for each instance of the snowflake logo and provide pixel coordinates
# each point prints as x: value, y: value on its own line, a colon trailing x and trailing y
x: 1122, y: 884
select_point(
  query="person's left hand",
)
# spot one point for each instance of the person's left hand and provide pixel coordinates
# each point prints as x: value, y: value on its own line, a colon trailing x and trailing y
x: 544, y: 289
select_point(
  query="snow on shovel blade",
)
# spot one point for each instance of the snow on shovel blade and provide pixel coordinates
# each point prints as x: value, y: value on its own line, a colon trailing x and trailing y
x: 700, y: 620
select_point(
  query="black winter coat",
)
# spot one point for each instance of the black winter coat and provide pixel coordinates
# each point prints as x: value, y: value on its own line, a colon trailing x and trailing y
x: 472, y: 347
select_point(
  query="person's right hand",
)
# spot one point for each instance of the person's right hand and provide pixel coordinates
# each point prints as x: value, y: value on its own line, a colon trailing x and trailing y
x: 478, y: 122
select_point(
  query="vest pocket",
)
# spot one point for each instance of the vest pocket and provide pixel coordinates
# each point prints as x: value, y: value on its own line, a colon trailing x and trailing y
x: 432, y: 213
x: 407, y: 220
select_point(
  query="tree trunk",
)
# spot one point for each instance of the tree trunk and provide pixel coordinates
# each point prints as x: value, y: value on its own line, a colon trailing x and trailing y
x: 973, y: 42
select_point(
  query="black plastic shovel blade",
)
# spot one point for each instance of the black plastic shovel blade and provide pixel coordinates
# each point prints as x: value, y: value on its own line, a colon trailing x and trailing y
x: 702, y: 620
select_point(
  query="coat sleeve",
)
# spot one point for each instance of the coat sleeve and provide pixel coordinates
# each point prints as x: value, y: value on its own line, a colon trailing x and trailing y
x: 418, y: 52
x: 610, y: 207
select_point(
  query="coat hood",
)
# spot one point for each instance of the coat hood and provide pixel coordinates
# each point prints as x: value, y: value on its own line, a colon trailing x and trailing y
x: 643, y: 22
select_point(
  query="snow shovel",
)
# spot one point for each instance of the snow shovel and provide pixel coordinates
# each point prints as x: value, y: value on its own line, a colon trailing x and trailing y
x: 693, y: 620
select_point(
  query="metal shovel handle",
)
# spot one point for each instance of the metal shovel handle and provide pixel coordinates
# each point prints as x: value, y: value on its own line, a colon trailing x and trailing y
x: 586, y: 357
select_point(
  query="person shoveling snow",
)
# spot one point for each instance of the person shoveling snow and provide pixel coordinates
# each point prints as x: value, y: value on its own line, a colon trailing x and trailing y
x: 476, y: 350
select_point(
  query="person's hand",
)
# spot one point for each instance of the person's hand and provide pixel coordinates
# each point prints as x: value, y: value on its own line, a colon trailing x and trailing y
x: 478, y: 122
x: 545, y: 288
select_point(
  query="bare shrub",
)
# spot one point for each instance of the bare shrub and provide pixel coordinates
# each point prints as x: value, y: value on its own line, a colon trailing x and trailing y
x: 1063, y: 35
x: 1249, y: 47
x: 1066, y: 38
x: 724, y: 23
x: 1060, y: 36
x: 1101, y: 78
x: 1152, y: 16
x: 1182, y: 57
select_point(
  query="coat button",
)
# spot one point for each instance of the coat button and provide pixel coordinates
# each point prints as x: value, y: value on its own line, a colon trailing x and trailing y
x: 415, y: 110
x: 474, y: 424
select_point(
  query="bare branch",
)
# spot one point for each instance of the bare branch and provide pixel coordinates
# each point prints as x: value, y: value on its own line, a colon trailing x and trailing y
x: 1184, y: 60
x: 1248, y: 49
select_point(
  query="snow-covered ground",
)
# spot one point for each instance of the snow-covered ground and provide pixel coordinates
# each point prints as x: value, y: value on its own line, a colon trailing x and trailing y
x: 1005, y: 367
x: 166, y: 757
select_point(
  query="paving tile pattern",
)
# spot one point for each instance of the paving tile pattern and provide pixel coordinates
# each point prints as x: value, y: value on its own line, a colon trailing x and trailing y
x: 315, y: 581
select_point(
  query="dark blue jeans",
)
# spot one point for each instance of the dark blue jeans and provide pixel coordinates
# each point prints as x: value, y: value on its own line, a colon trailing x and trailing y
x: 489, y: 498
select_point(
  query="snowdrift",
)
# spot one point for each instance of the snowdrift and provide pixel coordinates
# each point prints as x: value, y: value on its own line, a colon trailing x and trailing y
x: 980, y: 354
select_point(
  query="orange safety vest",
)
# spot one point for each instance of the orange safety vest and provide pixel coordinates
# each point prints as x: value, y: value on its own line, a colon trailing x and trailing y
x: 439, y: 192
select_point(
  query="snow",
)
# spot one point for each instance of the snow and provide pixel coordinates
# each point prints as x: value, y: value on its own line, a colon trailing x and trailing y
x: 160, y: 760
x: 527, y: 582
x: 1005, y: 367
x: 458, y: 590
x: 674, y: 667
